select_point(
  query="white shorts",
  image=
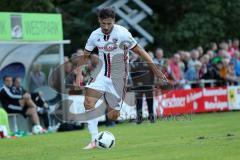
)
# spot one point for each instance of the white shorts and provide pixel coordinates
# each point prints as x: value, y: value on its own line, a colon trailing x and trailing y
x: 112, y: 89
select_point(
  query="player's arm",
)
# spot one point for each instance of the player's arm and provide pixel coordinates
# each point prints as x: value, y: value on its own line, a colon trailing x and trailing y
x: 141, y: 52
x: 86, y: 55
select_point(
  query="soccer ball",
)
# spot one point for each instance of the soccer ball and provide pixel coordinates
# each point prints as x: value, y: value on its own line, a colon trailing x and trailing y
x: 105, y: 140
x: 37, y: 129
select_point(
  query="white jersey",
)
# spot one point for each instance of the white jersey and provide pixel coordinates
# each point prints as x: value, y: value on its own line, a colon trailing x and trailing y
x: 112, y: 49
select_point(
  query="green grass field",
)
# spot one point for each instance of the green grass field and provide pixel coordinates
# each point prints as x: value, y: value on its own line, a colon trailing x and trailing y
x: 213, y: 136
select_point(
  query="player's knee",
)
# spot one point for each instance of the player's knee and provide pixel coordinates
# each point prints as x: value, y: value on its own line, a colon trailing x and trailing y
x: 113, y: 115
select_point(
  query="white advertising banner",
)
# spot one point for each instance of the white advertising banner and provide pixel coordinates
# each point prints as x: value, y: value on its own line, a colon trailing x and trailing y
x: 234, y: 97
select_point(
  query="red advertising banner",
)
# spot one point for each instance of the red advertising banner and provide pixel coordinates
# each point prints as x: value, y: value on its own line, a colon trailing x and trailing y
x: 213, y: 99
x: 192, y: 101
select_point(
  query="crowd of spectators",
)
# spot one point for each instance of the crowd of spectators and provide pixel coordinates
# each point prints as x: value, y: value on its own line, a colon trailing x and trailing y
x: 218, y: 62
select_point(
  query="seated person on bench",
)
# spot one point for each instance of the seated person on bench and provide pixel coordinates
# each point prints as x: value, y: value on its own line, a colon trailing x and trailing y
x: 42, y: 106
x: 22, y: 104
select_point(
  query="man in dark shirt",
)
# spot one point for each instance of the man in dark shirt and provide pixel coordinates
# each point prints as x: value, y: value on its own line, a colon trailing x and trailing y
x: 143, y: 79
x: 13, y: 103
x: 42, y: 106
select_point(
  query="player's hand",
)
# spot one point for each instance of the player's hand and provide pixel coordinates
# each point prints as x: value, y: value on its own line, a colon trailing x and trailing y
x: 158, y: 73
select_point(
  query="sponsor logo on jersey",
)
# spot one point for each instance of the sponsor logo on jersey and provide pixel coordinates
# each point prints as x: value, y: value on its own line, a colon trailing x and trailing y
x: 110, y: 46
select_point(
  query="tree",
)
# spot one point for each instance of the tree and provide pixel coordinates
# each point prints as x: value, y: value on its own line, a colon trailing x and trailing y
x: 184, y: 24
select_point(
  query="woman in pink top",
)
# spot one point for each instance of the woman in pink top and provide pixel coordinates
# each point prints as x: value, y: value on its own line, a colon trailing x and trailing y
x: 175, y: 68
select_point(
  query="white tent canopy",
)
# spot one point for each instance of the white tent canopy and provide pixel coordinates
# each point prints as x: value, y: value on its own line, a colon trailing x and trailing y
x: 27, y: 53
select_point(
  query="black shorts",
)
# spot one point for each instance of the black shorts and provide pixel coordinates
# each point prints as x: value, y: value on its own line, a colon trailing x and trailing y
x: 15, y: 107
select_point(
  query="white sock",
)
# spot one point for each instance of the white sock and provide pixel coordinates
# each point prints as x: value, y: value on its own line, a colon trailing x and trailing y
x: 93, y: 128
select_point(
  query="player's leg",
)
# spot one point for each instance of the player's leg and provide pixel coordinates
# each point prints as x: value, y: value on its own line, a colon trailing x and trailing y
x: 113, y: 96
x: 112, y: 113
x: 91, y: 98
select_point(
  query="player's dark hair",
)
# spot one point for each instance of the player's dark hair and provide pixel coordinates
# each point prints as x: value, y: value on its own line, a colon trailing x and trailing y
x: 105, y: 13
x: 15, y: 78
x: 5, y: 77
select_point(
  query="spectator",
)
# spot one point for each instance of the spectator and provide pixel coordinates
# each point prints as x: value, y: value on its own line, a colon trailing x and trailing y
x: 166, y: 70
x: 80, y: 52
x: 18, y: 103
x: 17, y: 89
x: 42, y: 106
x: 224, y: 54
x: 200, y: 51
x: 158, y: 59
x: 88, y: 69
x: 66, y: 59
x: 224, y: 46
x: 224, y: 69
x: 185, y: 58
x: 69, y: 74
x: 235, y: 45
x: 213, y: 47
x: 236, y: 62
x: 181, y: 63
x: 192, y: 73
x: 175, y: 68
x: 205, y: 64
x: 227, y: 72
x: 194, y: 58
x: 83, y: 73
x: 75, y: 78
x: 37, y: 78
x: 214, y: 72
x: 231, y: 74
x: 211, y: 54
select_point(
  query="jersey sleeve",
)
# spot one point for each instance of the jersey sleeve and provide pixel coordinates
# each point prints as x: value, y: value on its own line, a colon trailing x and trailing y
x: 90, y: 45
x: 130, y: 39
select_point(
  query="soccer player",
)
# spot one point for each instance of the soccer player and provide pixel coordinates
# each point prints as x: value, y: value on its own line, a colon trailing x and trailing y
x: 113, y: 42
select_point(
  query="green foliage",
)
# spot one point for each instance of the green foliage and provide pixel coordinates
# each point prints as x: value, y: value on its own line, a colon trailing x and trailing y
x: 185, y: 24
x: 176, y: 24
